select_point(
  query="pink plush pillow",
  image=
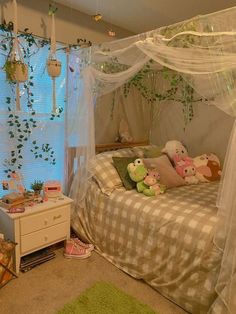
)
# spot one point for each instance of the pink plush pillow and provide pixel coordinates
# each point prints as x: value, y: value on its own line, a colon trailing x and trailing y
x: 169, y: 176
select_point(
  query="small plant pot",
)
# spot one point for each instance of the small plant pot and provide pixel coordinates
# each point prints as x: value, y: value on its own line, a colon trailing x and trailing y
x: 53, y: 67
x: 37, y: 193
x: 16, y: 71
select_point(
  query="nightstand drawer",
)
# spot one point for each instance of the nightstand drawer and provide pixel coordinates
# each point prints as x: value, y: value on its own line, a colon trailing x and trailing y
x: 43, y: 237
x: 45, y: 219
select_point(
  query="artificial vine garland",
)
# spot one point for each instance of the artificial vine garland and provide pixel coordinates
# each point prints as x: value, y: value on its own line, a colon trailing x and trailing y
x: 21, y: 129
x: 179, y: 90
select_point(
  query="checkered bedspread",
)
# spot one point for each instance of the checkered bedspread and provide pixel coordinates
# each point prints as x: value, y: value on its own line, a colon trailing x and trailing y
x: 164, y: 240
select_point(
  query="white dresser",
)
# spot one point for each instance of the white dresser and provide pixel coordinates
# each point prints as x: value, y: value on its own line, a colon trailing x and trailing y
x: 38, y: 227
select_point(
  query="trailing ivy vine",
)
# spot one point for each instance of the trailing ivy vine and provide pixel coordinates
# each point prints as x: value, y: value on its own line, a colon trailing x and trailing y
x: 178, y: 89
x: 21, y: 125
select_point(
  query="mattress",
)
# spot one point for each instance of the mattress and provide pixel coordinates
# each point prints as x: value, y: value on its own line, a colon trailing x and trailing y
x: 166, y: 240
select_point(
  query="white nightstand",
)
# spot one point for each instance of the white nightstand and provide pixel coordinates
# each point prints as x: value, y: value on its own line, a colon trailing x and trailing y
x: 38, y: 227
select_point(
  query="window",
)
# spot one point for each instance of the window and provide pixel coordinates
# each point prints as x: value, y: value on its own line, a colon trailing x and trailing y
x: 46, y: 141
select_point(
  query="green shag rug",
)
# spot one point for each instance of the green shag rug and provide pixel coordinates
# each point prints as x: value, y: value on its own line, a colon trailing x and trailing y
x: 104, y: 298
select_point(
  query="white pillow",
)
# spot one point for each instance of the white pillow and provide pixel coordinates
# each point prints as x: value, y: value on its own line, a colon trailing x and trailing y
x: 105, y: 173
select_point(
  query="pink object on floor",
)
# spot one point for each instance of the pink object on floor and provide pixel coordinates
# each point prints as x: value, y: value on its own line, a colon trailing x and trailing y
x: 72, y: 250
x: 88, y: 246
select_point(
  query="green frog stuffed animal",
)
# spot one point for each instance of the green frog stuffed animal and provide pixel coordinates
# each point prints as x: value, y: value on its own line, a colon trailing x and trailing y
x: 147, y: 181
x: 137, y: 172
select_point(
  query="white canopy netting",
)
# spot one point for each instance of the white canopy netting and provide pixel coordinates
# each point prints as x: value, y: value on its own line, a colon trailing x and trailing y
x: 203, y: 51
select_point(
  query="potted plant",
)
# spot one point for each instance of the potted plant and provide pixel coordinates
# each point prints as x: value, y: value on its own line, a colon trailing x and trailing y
x: 16, y: 71
x: 37, y: 186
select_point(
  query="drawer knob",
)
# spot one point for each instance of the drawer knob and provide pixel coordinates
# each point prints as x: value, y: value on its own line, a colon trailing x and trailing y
x: 46, y: 221
x: 56, y: 217
x: 45, y: 238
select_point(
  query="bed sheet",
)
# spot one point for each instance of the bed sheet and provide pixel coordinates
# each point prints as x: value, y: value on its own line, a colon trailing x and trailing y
x: 166, y: 240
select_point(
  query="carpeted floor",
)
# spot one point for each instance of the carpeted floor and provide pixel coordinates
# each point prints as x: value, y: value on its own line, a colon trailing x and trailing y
x: 48, y: 287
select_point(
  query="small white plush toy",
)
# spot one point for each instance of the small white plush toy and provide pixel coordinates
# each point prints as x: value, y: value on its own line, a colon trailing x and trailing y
x: 174, y: 149
x: 124, y: 133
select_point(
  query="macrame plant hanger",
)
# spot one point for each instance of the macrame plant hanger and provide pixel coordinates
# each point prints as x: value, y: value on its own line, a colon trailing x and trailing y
x: 16, y: 69
x: 53, y: 65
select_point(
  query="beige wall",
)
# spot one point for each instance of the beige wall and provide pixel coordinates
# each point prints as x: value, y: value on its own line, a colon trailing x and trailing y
x: 70, y: 24
x: 209, y: 131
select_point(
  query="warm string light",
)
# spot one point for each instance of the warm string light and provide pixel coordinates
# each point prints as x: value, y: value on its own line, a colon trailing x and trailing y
x: 110, y: 31
x: 97, y: 17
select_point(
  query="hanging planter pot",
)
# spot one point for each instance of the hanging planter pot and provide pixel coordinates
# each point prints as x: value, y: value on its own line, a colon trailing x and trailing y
x: 16, y: 71
x: 53, y: 67
x: 15, y: 68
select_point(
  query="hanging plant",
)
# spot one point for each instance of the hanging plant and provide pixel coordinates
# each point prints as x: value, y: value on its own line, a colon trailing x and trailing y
x: 20, y: 127
x: 15, y: 68
x: 16, y: 71
x: 53, y: 65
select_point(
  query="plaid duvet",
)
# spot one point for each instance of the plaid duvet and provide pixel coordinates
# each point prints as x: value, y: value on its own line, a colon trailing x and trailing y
x: 166, y: 240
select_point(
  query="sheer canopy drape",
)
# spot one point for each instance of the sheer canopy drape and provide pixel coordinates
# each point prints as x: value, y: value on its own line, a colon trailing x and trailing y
x: 203, y: 50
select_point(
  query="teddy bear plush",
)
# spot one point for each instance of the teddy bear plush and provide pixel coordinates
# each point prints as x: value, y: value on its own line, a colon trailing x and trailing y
x: 207, y: 167
x: 152, y: 181
x: 185, y: 168
x: 174, y: 148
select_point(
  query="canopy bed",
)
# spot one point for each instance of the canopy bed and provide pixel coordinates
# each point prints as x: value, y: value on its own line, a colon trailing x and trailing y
x: 180, y: 242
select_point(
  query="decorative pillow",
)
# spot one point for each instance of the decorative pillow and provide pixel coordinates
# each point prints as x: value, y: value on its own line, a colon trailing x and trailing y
x: 104, y: 171
x: 121, y: 164
x: 153, y: 152
x: 169, y: 176
x: 140, y: 150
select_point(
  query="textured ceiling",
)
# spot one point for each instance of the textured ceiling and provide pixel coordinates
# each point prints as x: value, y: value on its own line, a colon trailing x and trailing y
x: 143, y: 15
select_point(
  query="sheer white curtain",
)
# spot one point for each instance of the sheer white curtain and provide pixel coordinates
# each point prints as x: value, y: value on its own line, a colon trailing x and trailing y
x: 204, y: 50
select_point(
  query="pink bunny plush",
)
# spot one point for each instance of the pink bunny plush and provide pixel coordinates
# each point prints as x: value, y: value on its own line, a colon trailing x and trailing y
x: 185, y: 168
x: 154, y: 187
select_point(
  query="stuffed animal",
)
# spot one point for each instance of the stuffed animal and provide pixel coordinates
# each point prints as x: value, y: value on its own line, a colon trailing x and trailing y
x: 207, y: 167
x: 146, y: 180
x: 137, y: 172
x: 124, y: 133
x: 185, y: 168
x: 174, y: 148
x: 152, y: 181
